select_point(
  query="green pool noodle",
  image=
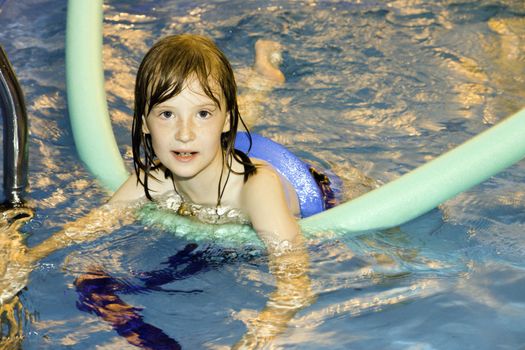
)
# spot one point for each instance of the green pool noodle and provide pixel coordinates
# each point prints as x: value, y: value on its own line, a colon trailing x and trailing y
x: 393, y: 204
x: 86, y: 97
x: 431, y: 184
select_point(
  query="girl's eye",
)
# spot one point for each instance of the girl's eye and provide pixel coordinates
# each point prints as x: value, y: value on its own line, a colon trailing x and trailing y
x: 166, y: 115
x: 203, y: 114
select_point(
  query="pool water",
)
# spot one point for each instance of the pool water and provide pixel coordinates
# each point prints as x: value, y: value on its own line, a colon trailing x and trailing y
x: 374, y: 89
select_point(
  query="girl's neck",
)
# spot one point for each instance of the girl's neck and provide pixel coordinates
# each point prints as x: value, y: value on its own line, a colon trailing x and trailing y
x: 203, y: 189
x: 196, y: 192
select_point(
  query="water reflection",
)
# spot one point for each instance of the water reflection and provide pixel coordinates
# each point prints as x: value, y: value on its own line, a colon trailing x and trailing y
x: 13, y: 317
x: 13, y: 277
x: 376, y: 89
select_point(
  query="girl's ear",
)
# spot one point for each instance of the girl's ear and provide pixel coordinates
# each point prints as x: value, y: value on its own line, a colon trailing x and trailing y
x: 145, y: 128
x: 226, y: 126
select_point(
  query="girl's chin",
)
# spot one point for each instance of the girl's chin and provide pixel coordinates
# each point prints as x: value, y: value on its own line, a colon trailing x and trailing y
x: 180, y: 175
x: 183, y: 172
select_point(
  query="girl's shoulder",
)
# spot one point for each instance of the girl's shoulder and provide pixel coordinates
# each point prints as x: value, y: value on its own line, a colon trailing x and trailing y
x: 267, y: 186
x: 264, y: 175
x: 133, y: 189
x: 271, y: 203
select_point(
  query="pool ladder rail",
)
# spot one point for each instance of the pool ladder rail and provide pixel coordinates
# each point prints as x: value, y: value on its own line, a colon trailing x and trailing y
x: 14, y: 115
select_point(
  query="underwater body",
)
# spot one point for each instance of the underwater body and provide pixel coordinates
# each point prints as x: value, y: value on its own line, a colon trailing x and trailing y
x: 374, y: 88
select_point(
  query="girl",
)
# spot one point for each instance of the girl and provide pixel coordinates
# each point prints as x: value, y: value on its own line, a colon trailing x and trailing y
x: 185, y: 122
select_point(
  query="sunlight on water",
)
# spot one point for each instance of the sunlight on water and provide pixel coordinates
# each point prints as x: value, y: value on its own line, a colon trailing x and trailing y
x: 373, y: 89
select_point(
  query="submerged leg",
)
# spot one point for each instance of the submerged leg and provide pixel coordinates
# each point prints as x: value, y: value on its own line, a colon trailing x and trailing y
x: 98, y: 295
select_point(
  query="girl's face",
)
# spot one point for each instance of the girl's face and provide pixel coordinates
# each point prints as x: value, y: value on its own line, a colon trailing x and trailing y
x: 186, y: 133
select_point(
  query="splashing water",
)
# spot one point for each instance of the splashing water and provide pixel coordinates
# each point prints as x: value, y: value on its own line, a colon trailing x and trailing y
x: 373, y: 90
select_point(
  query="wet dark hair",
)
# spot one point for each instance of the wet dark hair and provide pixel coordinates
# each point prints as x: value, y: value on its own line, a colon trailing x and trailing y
x: 162, y: 74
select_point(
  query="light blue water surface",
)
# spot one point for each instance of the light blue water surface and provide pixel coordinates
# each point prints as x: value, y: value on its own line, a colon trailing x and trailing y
x: 381, y: 87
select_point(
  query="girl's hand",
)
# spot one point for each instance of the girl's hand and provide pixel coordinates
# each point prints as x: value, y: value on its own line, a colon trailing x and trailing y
x: 15, y: 264
x: 293, y: 293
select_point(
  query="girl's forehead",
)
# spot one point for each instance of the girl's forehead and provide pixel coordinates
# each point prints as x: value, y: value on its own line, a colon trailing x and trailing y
x: 194, y: 92
x: 194, y: 86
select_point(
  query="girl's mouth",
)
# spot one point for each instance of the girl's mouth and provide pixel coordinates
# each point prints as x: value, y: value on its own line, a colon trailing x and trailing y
x: 184, y: 156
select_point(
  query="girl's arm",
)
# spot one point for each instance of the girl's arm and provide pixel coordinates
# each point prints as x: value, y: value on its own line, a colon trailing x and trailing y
x: 96, y: 223
x: 16, y: 259
x: 265, y: 202
x: 119, y: 211
x: 293, y: 292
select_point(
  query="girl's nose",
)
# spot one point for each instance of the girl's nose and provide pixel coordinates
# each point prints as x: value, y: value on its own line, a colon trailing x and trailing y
x: 185, y: 130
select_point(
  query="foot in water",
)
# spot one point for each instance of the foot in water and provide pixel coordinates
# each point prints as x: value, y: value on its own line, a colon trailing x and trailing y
x: 259, y: 80
x: 267, y: 60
